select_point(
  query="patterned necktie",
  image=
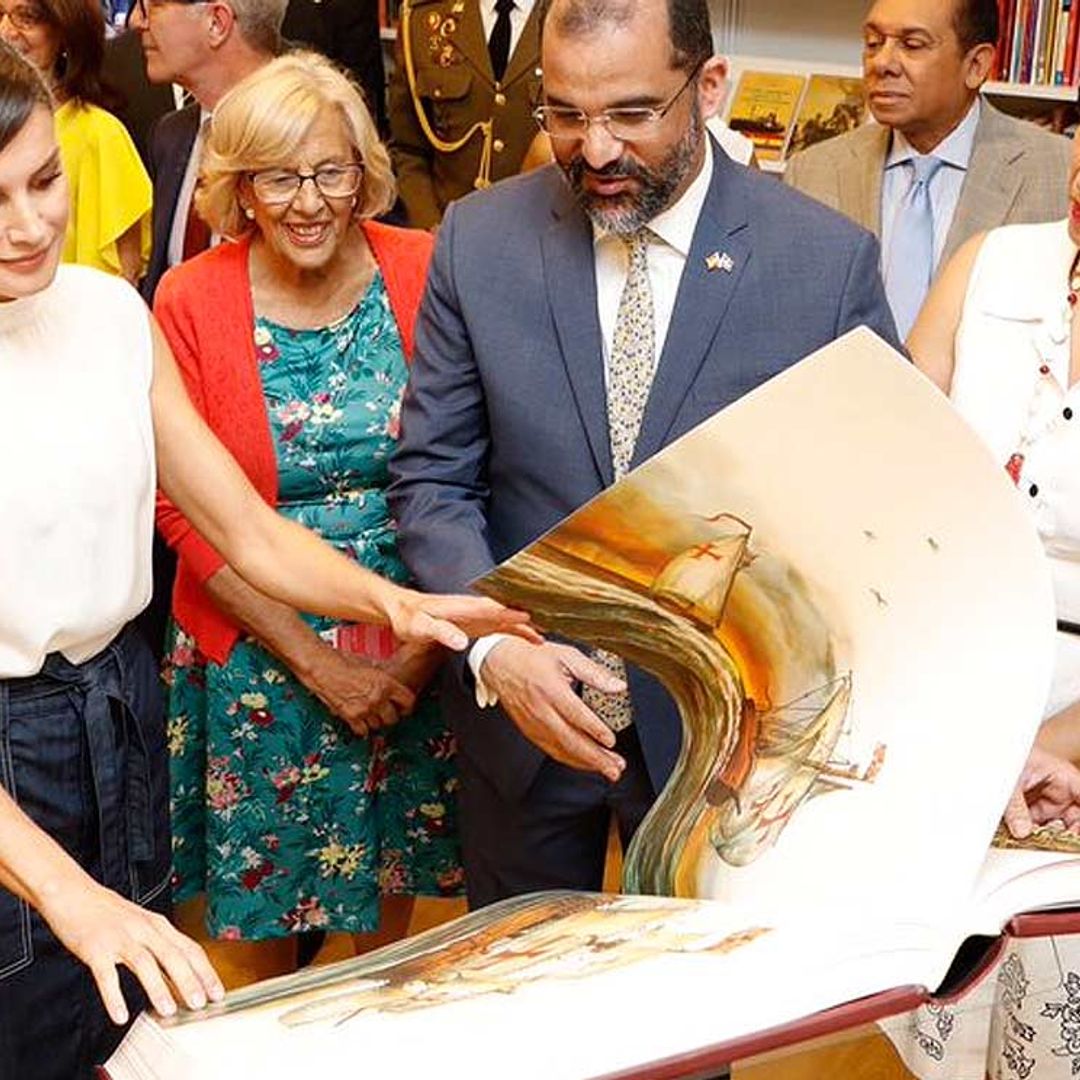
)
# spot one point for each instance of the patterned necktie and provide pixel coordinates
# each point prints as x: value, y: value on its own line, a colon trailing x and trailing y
x: 630, y: 376
x: 499, y: 42
x: 911, y: 255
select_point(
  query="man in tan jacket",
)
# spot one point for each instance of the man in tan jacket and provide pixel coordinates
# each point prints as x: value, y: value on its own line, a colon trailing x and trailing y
x: 466, y: 76
x: 923, y: 63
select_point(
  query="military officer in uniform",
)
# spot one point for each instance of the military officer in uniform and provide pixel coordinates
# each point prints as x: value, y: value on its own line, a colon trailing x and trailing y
x: 465, y: 80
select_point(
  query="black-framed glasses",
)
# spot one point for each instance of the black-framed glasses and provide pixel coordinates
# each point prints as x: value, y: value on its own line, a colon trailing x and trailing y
x: 25, y: 17
x: 623, y: 123
x: 277, y: 186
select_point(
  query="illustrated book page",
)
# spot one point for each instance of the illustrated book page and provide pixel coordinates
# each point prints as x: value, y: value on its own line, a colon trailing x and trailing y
x: 763, y: 109
x: 810, y: 574
x: 832, y: 105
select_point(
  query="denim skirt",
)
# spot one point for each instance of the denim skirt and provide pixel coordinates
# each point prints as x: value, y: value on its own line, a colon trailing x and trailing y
x: 82, y: 751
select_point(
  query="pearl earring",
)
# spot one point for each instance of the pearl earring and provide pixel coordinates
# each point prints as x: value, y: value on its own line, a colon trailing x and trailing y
x: 249, y: 213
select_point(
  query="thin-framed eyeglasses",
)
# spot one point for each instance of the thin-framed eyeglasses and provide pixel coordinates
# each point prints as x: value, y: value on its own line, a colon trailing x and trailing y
x: 24, y: 17
x: 275, y: 187
x: 624, y: 123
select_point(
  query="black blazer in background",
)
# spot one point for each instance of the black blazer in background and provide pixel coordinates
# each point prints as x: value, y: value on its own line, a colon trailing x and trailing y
x: 347, y: 31
x: 171, y: 141
x: 143, y: 102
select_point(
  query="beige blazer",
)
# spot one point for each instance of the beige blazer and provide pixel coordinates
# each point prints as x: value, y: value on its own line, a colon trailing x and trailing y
x: 1018, y: 173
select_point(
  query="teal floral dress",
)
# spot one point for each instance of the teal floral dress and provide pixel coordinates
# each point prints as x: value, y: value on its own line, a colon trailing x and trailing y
x: 285, y: 819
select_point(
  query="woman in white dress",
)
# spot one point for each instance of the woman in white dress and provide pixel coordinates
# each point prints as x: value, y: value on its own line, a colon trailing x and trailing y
x: 1000, y: 334
x: 94, y: 412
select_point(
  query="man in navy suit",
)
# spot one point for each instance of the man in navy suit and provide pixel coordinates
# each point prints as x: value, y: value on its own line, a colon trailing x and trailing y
x: 577, y: 319
x: 207, y: 49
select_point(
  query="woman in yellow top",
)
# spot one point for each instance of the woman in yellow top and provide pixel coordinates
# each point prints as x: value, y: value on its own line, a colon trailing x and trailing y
x: 109, y: 225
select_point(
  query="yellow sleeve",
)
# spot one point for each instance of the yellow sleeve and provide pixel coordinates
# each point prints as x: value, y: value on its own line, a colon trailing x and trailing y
x: 110, y: 189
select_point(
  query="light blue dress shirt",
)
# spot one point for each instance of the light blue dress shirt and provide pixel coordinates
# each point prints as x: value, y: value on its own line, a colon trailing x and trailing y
x: 955, y: 151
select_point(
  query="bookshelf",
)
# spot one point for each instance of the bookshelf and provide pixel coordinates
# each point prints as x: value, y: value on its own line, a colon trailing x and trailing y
x: 778, y: 35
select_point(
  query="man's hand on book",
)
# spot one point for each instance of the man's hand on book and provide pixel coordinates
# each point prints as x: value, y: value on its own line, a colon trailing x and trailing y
x: 104, y: 930
x: 535, y: 685
x: 1048, y: 790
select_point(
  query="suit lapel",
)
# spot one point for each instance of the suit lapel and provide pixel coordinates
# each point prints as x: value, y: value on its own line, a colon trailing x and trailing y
x: 990, y: 187
x: 706, y: 287
x: 177, y: 162
x: 570, y: 276
x: 859, y: 179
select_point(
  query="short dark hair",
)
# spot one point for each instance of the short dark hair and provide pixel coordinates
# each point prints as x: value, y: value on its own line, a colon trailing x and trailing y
x: 22, y: 89
x: 82, y: 50
x: 688, y: 24
x: 976, y: 23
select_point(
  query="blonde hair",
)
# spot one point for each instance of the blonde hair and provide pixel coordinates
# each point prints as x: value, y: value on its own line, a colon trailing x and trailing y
x: 263, y: 121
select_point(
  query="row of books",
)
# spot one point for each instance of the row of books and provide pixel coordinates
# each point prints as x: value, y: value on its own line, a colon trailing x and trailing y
x: 782, y: 114
x: 1038, y: 43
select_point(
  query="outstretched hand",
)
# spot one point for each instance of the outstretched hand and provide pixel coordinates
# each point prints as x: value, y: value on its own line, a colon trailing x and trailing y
x: 1048, y: 790
x: 453, y: 620
x: 104, y: 930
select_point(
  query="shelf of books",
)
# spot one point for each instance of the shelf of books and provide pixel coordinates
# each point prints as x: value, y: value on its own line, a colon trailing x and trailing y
x: 1038, y: 47
x: 795, y: 71
x: 784, y: 107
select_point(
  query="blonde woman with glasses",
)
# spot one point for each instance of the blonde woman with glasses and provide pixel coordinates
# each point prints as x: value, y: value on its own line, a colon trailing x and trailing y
x: 313, y: 781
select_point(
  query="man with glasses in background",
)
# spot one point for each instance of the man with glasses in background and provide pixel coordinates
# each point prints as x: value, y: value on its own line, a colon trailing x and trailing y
x: 207, y: 47
x: 578, y: 319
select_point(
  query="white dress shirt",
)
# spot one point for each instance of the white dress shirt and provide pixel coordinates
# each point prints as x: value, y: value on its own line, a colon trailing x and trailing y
x: 187, y: 189
x: 673, y: 234
x: 519, y: 15
x: 955, y: 151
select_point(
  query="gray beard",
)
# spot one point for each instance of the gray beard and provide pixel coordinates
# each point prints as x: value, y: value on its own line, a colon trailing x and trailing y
x: 629, y: 213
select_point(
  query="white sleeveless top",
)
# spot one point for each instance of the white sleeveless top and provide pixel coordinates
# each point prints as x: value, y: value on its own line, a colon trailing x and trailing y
x: 77, y: 472
x: 1011, y: 383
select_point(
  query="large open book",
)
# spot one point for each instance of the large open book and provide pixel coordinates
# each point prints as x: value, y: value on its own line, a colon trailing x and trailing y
x: 848, y: 601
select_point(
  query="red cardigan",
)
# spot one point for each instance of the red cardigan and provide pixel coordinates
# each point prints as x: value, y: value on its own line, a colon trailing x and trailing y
x: 205, y: 310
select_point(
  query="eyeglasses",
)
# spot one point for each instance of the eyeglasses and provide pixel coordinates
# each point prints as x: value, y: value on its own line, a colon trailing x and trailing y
x: 24, y: 17
x: 625, y: 124
x: 278, y: 186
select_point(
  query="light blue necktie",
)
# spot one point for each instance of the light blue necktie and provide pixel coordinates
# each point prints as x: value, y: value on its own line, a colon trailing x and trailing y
x: 911, y: 255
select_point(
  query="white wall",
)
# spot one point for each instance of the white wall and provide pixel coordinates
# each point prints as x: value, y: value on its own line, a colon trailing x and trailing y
x: 812, y: 31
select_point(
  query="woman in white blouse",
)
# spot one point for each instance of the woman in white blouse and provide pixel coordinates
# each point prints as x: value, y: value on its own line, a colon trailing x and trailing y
x: 93, y: 411
x: 999, y: 335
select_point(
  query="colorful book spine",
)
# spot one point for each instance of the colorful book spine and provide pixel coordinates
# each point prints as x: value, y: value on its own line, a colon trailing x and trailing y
x: 1038, y: 45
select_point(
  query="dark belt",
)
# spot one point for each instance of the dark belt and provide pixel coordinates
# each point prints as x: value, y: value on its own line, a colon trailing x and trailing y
x: 122, y: 795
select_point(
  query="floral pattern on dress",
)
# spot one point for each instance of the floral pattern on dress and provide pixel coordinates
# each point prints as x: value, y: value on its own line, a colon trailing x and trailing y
x: 287, y: 820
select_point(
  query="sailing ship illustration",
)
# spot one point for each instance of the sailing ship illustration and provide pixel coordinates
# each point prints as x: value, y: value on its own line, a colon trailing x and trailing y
x: 747, y: 763
x: 782, y: 755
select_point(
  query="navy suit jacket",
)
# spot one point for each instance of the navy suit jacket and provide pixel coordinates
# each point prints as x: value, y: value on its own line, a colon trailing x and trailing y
x: 504, y: 427
x: 171, y: 141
